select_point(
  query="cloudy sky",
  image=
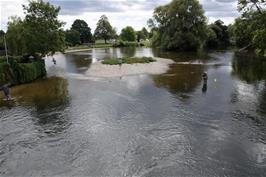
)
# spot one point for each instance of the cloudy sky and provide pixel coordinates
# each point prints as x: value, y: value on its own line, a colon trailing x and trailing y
x: 121, y: 13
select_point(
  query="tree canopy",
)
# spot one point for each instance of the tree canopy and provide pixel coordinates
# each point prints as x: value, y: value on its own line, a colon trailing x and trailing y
x: 104, y: 30
x: 85, y: 32
x: 250, y: 29
x: 42, y: 30
x: 179, y: 25
x: 142, y: 34
x: 128, y: 34
x: 218, y: 35
x: 15, y: 36
x: 72, y: 37
x: 39, y: 33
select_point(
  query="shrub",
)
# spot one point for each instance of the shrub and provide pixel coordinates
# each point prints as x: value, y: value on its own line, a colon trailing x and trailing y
x: 19, y: 73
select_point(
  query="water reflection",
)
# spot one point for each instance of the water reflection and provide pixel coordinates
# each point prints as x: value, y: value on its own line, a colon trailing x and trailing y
x: 70, y: 63
x: 249, y: 68
x: 181, y: 78
x: 204, y: 86
x: 181, y: 56
x: 51, y: 92
x: 128, y: 51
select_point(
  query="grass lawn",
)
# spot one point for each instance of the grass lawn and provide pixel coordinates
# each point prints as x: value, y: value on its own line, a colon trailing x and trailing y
x: 128, y: 60
x: 97, y: 45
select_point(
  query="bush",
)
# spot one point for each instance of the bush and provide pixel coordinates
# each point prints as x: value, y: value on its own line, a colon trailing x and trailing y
x: 27, y: 72
x: 19, y: 73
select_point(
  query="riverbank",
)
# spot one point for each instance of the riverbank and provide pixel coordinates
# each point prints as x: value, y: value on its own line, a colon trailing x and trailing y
x: 98, y: 69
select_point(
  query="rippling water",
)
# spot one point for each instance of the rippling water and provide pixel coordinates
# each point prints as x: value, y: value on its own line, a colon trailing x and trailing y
x: 161, y: 125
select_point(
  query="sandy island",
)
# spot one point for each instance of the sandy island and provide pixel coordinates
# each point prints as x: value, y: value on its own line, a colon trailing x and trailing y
x: 98, y: 69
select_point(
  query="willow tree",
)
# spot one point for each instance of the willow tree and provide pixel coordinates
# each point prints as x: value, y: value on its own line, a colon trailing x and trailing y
x: 180, y: 25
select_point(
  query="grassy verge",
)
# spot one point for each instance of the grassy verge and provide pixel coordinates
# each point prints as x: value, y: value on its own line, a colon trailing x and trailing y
x: 80, y: 47
x: 127, y: 60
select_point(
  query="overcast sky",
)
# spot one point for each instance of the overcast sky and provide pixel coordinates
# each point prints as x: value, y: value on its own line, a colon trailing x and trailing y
x: 121, y: 13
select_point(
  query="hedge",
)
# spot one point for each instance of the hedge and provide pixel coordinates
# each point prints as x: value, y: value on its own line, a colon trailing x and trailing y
x: 19, y: 73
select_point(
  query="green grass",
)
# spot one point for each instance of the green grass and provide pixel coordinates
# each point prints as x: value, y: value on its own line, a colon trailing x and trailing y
x: 102, y: 45
x: 127, y: 60
x: 97, y: 45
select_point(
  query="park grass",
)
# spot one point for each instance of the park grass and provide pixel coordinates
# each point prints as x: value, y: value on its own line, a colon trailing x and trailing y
x: 128, y: 60
x: 97, y: 45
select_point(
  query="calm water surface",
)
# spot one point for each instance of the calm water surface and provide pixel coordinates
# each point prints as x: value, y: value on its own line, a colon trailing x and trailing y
x: 144, y: 125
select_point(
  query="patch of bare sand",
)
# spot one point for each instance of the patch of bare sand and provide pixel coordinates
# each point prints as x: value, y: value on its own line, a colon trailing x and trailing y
x: 98, y: 69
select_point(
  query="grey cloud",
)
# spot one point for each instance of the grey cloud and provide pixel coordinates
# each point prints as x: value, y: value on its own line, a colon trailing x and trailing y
x: 72, y: 7
x: 222, y: 8
x: 213, y: 8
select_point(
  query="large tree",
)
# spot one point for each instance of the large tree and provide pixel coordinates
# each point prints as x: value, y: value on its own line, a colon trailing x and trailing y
x: 72, y: 37
x: 85, y: 32
x: 128, y: 34
x: 15, y: 37
x: 250, y: 28
x: 180, y: 25
x: 42, y: 32
x: 218, y: 35
x: 104, y: 30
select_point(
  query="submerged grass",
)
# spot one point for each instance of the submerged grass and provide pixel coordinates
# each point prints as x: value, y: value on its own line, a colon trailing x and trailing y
x: 128, y: 60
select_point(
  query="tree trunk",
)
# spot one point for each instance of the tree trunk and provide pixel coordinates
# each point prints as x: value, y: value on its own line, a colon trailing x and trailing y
x: 105, y: 41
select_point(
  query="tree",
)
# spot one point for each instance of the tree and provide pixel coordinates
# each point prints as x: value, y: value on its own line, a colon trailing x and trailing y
x: 85, y: 32
x: 249, y: 5
x: 142, y: 34
x: 242, y: 37
x: 72, y: 37
x: 249, y: 29
x: 180, y: 25
x: 145, y: 33
x: 104, y: 30
x: 128, y: 34
x: 15, y: 36
x: 42, y: 32
x: 2, y: 45
x: 212, y: 41
x: 221, y: 35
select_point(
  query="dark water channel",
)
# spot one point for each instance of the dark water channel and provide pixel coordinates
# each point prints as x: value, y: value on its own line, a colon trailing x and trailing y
x: 162, y: 125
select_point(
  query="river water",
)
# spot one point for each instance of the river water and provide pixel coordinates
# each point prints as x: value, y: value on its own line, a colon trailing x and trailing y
x: 144, y: 125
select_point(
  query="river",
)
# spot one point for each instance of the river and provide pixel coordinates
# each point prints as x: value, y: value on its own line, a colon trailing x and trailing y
x: 143, y: 125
